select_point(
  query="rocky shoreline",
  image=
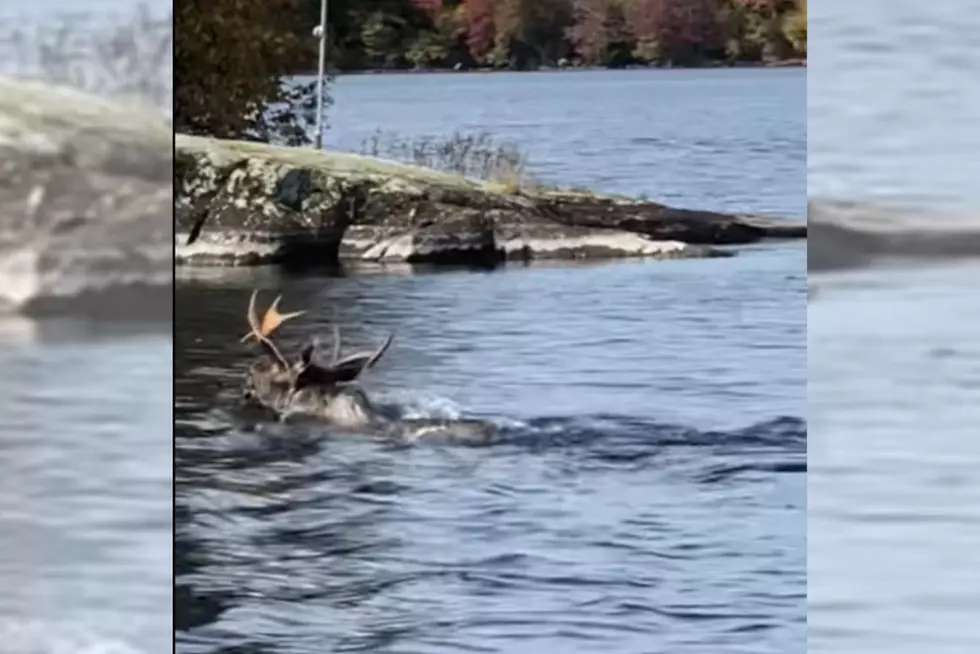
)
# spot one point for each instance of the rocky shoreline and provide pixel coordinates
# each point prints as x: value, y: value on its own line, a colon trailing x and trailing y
x: 86, y: 196
x: 242, y: 203
x: 855, y: 235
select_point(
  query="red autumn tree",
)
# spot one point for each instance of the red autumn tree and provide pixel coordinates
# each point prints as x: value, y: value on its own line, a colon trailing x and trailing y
x: 587, y: 33
x: 531, y: 32
x: 480, y: 29
x: 679, y: 30
x: 596, y: 26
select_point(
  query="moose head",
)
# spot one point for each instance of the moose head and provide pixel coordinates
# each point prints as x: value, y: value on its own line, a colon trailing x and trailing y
x: 274, y: 380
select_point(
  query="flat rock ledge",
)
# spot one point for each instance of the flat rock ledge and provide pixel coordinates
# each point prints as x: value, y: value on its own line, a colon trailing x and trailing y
x: 86, y: 193
x: 242, y: 203
x: 854, y: 235
x: 502, y: 243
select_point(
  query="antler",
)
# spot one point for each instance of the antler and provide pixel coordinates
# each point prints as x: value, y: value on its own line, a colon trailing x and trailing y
x: 351, y: 367
x: 378, y: 353
x: 336, y: 345
x: 270, y: 322
x: 304, y: 372
x: 338, y: 371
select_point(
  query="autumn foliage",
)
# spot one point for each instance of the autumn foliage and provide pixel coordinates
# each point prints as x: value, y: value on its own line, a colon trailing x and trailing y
x: 233, y: 59
x: 530, y: 33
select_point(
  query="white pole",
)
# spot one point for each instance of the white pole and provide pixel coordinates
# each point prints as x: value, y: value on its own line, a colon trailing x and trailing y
x: 321, y: 31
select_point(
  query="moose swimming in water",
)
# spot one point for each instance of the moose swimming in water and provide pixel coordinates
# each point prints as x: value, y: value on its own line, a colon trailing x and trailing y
x: 329, y: 390
x: 303, y: 385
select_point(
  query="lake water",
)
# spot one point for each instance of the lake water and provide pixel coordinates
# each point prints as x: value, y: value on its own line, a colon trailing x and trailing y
x: 894, y: 358
x: 85, y: 487
x: 648, y: 493
x: 86, y: 455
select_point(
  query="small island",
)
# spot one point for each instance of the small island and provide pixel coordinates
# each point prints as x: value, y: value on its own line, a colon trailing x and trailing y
x: 246, y: 203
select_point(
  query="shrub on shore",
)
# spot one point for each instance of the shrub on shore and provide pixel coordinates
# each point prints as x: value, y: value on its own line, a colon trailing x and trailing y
x: 479, y: 156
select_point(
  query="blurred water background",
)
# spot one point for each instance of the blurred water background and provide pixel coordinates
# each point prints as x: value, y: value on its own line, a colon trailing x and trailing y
x: 85, y: 409
x: 893, y: 349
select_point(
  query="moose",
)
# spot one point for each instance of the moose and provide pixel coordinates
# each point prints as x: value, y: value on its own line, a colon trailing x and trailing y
x: 329, y: 391
x: 302, y: 385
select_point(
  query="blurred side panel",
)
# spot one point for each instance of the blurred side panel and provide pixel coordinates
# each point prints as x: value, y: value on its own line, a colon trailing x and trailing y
x: 893, y: 338
x: 86, y: 297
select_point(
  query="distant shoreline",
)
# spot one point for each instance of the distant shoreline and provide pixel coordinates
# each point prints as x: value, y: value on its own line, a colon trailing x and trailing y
x: 719, y: 65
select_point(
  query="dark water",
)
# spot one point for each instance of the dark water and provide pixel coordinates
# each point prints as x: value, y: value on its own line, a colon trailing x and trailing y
x: 894, y: 358
x: 648, y: 492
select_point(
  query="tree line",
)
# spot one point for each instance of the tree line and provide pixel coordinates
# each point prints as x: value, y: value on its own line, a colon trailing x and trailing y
x: 527, y: 34
x: 233, y: 58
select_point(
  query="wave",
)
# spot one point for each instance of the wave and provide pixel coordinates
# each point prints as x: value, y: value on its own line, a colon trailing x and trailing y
x: 848, y: 235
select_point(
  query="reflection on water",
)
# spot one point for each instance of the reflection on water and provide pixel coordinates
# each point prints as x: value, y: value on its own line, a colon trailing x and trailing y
x: 893, y: 350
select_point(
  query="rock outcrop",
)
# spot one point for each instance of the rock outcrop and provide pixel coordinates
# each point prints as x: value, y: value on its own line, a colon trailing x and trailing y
x: 855, y: 235
x: 85, y: 198
x: 242, y: 203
